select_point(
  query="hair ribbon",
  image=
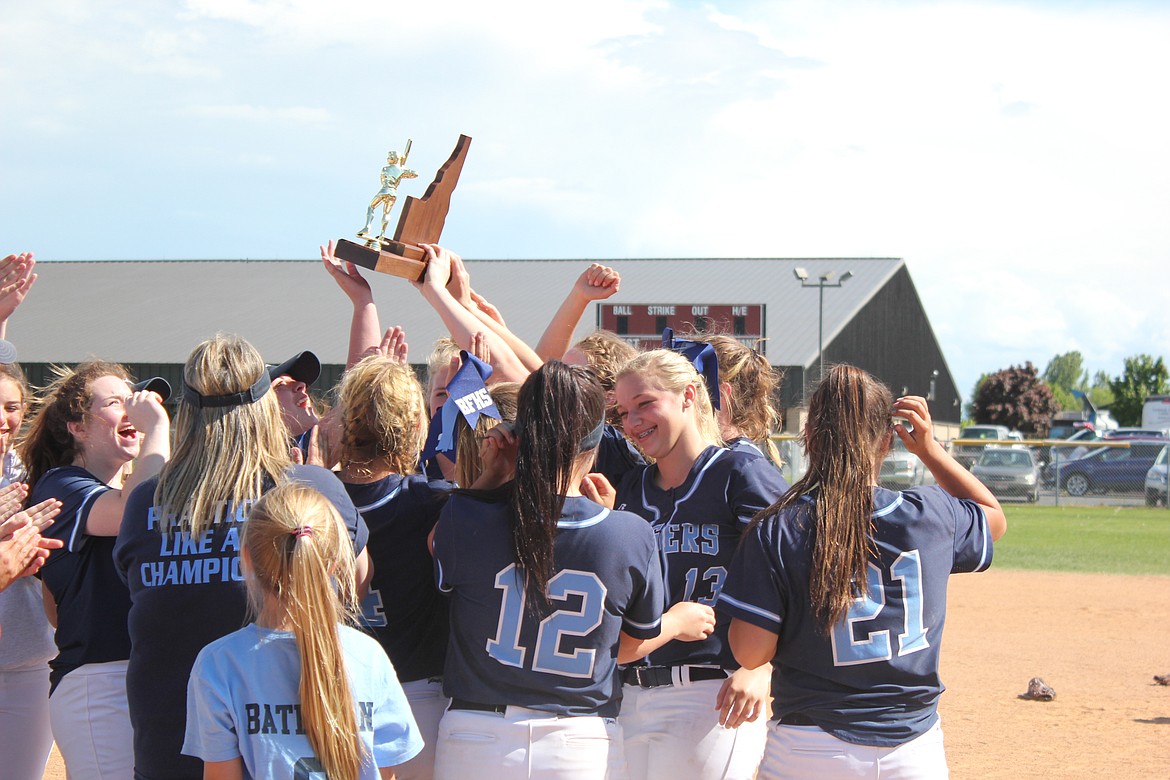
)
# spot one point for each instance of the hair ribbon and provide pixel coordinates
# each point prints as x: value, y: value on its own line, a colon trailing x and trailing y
x: 467, y: 395
x: 703, y: 358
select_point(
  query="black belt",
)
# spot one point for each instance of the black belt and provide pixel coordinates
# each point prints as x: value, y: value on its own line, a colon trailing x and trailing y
x: 462, y: 704
x: 658, y: 676
x: 796, y: 719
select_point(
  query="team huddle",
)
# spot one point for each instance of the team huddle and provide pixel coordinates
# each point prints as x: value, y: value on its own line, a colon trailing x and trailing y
x: 562, y: 561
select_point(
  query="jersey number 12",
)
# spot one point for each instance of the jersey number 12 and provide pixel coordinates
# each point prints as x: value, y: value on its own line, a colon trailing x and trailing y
x: 505, y: 647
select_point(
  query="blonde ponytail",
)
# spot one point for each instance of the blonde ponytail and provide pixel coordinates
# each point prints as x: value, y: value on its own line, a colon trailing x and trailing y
x: 301, y: 556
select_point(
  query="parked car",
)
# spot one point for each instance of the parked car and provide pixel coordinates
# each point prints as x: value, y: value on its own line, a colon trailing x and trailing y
x: 902, y: 469
x: 1106, y: 469
x: 1082, y: 435
x: 1137, y: 433
x: 967, y: 454
x: 1156, y: 481
x: 1009, y: 472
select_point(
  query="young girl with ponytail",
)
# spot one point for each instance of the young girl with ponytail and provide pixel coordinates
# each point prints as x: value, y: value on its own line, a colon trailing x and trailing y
x: 298, y: 693
x: 841, y: 586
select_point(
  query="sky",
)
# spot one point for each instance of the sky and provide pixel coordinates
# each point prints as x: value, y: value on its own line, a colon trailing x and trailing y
x: 1013, y: 153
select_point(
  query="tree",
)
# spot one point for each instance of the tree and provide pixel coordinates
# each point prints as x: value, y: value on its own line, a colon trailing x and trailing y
x: 969, y: 409
x: 1100, y: 393
x: 1064, y: 374
x: 1143, y: 375
x: 1067, y: 372
x: 1015, y: 397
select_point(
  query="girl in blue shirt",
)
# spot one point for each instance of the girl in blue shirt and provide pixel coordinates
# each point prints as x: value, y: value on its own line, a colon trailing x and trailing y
x: 298, y: 692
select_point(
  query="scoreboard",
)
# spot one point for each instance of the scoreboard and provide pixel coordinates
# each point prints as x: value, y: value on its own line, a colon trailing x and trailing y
x: 641, y: 324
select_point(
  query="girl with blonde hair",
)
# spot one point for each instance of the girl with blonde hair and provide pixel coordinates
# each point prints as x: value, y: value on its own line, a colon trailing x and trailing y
x: 689, y: 710
x: 747, y: 386
x: 383, y: 427
x: 178, y: 547
x: 299, y: 691
x: 468, y: 464
x: 830, y: 575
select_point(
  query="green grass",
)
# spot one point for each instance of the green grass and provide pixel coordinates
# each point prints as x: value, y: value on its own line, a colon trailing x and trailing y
x: 1113, y: 540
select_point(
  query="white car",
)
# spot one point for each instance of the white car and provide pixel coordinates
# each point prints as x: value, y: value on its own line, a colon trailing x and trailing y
x: 902, y: 469
x: 1156, y: 481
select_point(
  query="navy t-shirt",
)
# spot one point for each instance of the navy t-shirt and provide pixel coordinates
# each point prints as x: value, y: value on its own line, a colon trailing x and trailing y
x: 698, y: 525
x: 563, y: 659
x: 185, y: 593
x: 404, y: 610
x: 873, y: 680
x: 92, y: 601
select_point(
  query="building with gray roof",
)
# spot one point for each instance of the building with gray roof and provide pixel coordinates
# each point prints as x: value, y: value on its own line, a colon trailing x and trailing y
x: 149, y: 314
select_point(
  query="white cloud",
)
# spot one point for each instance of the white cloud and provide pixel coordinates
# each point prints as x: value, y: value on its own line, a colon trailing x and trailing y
x: 294, y: 114
x: 1013, y: 153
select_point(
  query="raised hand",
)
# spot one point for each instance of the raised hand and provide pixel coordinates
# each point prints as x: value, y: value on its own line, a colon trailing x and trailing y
x: 346, y: 274
x: 393, y: 345
x: 16, y: 277
x: 597, y: 282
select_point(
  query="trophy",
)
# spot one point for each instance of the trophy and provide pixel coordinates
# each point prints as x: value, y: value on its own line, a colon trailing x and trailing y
x: 421, y: 221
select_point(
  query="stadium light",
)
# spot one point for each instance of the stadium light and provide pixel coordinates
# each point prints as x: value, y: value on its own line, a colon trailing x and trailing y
x: 824, y: 281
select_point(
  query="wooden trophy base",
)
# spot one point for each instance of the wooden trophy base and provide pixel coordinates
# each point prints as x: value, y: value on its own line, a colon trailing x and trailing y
x: 421, y: 223
x: 394, y: 258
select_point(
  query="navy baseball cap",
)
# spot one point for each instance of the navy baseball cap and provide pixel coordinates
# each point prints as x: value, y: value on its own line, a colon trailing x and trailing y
x: 156, y: 384
x: 303, y: 367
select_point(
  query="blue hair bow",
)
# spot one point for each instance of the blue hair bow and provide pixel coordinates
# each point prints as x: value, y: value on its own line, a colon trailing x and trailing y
x: 703, y: 358
x: 467, y: 395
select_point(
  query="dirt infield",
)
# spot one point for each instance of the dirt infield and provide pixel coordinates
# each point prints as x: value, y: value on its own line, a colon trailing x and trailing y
x: 1097, y: 639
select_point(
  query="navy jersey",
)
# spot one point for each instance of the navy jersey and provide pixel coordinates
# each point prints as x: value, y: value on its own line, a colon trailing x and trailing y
x: 564, y: 659
x: 404, y: 609
x: 746, y: 445
x: 873, y: 680
x: 698, y: 525
x: 616, y: 455
x: 186, y: 592
x: 92, y: 601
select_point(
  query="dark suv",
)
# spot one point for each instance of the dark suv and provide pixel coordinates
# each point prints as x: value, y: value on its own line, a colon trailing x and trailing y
x: 1107, y: 469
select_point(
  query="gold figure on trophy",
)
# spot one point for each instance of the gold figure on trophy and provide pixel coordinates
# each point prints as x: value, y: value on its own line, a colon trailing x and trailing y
x: 391, y: 175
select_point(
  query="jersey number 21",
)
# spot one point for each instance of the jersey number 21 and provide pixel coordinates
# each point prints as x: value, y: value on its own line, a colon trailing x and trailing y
x: 877, y: 644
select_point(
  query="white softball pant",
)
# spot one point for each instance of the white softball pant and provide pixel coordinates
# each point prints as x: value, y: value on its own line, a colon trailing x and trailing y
x: 25, y: 737
x: 522, y: 743
x: 806, y: 751
x: 91, y: 722
x: 673, y: 732
x: 427, y: 704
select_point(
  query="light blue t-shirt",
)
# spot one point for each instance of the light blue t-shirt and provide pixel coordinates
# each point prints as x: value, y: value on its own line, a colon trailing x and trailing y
x: 243, y: 701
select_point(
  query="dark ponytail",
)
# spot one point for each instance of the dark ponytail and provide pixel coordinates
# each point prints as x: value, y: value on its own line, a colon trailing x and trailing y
x: 558, y: 407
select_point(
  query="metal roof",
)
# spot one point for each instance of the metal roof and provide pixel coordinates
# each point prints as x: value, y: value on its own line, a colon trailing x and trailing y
x: 156, y: 311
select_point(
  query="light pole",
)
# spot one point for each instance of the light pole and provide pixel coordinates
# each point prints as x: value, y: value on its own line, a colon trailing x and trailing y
x: 823, y: 282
